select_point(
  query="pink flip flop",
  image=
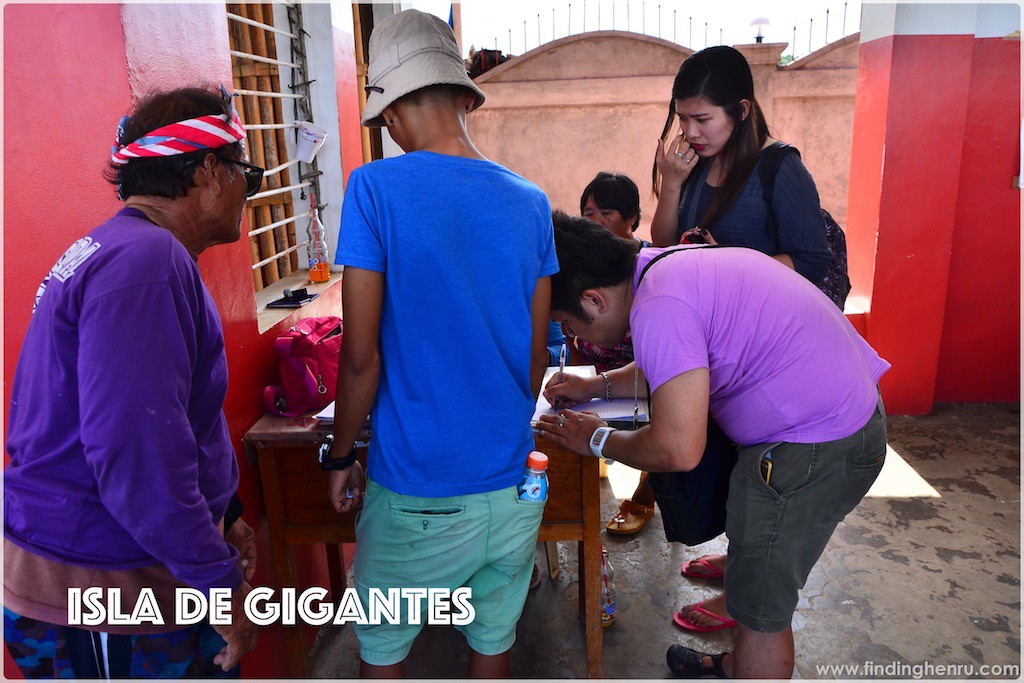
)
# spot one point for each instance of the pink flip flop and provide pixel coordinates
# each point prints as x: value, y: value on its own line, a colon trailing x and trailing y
x: 687, y: 625
x: 712, y: 572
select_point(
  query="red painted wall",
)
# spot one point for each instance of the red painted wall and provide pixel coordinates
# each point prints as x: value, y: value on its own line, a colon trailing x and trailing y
x: 348, y: 102
x: 871, y: 108
x: 925, y: 125
x: 50, y: 200
x: 934, y: 226
x: 52, y: 95
x: 979, y: 358
x: 54, y: 100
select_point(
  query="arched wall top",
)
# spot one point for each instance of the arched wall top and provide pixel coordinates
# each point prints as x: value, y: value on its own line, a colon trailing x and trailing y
x: 596, y: 54
x: 838, y: 54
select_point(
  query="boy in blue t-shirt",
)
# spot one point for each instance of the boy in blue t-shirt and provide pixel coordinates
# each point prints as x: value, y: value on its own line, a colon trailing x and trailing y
x: 440, y: 246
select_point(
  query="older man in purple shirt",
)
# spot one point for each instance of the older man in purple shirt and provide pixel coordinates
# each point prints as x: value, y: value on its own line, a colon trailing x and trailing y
x: 122, y: 468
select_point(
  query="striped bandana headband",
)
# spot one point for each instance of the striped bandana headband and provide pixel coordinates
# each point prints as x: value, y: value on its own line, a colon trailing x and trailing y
x: 204, y: 132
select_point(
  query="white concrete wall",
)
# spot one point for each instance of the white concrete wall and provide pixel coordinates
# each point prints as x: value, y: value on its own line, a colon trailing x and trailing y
x: 317, y: 18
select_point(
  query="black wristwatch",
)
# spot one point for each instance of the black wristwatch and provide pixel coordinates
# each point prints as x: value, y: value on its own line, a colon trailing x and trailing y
x: 323, y: 456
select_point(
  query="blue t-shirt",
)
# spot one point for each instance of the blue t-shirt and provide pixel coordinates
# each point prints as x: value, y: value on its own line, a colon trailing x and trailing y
x: 800, y: 224
x: 556, y: 340
x: 462, y: 243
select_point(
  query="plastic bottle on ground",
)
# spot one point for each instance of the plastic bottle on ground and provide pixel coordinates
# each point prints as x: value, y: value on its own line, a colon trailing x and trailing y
x: 608, y: 611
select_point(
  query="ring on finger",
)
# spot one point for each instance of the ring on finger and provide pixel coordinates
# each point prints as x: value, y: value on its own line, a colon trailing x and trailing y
x: 680, y: 155
x: 561, y: 420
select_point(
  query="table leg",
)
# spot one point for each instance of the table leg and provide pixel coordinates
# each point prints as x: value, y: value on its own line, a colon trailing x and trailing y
x: 581, y: 562
x: 590, y: 579
x: 335, y: 570
x: 590, y: 568
x: 284, y: 560
x: 551, y: 550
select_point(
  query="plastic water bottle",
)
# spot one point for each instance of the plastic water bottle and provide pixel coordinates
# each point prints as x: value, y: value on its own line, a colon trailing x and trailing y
x: 316, y: 249
x: 607, y: 591
x: 534, y: 484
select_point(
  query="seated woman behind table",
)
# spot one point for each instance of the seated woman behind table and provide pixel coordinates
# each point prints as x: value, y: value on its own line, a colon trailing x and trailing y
x: 613, y: 201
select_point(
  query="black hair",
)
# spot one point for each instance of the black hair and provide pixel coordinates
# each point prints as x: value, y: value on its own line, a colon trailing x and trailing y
x: 721, y: 75
x: 614, y: 191
x: 440, y: 94
x: 172, y: 176
x: 588, y: 257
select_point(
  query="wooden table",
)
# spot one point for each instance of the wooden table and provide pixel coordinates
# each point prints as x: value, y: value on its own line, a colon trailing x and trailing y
x: 298, y: 512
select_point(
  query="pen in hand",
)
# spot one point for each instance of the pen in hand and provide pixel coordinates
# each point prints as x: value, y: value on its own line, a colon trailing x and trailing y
x: 559, y: 400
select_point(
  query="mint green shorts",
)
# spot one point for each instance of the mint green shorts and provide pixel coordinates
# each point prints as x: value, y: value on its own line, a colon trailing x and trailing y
x: 483, y: 541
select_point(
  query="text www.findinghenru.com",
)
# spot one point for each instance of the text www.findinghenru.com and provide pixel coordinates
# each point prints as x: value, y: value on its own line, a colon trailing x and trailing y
x: 918, y: 671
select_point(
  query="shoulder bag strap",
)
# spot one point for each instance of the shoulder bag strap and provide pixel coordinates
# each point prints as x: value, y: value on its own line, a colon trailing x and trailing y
x: 669, y: 252
x: 640, y: 279
x: 771, y: 159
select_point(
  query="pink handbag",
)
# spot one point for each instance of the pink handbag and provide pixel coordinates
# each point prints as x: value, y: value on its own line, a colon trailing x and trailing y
x: 308, y: 355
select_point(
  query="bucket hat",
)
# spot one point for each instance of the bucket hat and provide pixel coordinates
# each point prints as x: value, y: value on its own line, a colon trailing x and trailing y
x: 409, y: 51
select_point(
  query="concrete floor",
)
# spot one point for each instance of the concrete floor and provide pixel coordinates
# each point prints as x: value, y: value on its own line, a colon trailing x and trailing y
x: 926, y: 571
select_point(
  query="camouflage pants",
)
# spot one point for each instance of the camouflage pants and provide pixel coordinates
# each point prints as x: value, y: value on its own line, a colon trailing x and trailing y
x: 44, y: 650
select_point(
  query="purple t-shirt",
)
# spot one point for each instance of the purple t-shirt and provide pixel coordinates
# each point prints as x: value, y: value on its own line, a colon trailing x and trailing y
x: 120, y: 453
x: 785, y: 363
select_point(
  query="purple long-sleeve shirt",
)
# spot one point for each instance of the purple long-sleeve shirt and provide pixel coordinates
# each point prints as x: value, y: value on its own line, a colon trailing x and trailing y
x: 120, y: 453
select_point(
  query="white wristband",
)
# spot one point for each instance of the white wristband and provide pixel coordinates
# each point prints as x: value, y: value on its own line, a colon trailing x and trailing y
x: 598, y: 440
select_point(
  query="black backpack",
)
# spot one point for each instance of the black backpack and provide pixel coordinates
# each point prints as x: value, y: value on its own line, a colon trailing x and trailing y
x: 836, y: 284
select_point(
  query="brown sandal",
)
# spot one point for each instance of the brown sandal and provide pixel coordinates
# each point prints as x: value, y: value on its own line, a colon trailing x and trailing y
x: 631, y: 518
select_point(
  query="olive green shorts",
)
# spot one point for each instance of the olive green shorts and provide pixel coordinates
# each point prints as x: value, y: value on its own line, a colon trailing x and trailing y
x: 778, y: 529
x: 483, y: 541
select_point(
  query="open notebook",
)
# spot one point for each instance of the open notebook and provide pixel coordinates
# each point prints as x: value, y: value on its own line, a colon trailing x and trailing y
x: 614, y: 410
x: 327, y: 414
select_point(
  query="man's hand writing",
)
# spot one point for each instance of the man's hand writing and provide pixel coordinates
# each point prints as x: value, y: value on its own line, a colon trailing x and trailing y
x: 569, y: 390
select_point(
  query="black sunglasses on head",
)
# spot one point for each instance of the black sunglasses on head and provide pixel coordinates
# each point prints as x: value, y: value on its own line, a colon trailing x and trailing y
x: 253, y: 176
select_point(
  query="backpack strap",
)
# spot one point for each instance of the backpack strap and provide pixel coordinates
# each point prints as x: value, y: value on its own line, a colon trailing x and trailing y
x: 669, y: 252
x: 640, y: 279
x: 652, y: 262
x: 771, y: 159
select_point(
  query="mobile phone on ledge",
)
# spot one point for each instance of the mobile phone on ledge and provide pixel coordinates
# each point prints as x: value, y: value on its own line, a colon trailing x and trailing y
x: 293, y: 298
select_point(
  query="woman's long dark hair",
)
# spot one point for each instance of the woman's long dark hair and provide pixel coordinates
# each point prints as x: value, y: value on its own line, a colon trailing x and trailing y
x: 721, y: 76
